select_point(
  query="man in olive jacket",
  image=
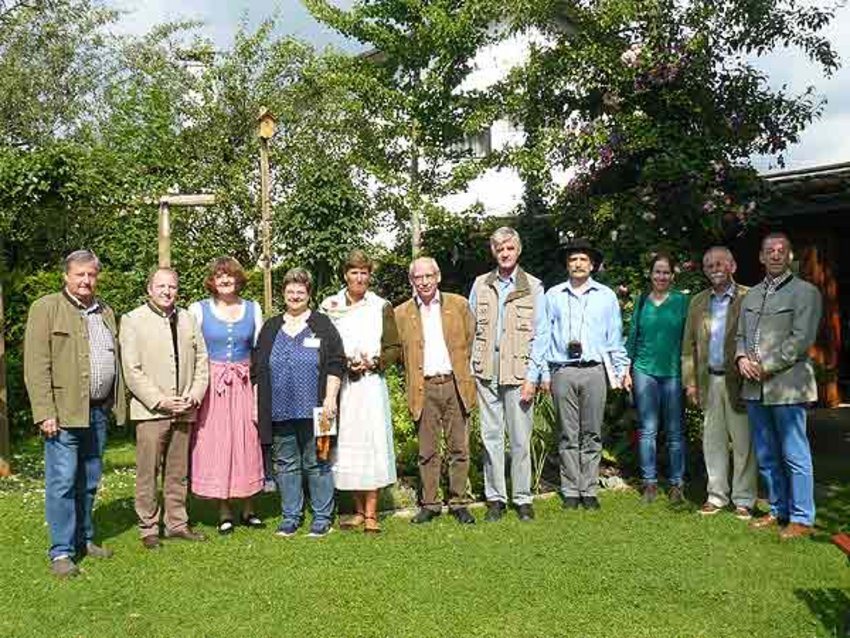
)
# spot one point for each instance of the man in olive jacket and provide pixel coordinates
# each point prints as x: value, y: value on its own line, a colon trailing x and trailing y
x: 436, y: 331
x: 778, y: 324
x: 713, y: 383
x: 167, y: 372
x: 73, y: 376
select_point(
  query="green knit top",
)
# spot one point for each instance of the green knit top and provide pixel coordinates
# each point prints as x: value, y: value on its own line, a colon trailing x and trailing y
x: 656, y: 348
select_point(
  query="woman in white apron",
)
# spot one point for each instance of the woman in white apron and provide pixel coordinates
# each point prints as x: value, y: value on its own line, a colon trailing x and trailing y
x: 364, y: 461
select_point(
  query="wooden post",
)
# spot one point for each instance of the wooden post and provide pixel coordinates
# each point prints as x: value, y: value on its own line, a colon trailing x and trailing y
x: 267, y: 130
x: 164, y: 235
x: 165, y: 204
x: 5, y: 448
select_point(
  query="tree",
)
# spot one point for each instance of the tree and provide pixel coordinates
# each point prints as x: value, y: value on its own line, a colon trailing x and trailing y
x: 653, y: 108
x: 411, y: 86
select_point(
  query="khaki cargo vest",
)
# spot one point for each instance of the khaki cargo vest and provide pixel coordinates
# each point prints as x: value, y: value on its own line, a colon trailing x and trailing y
x: 517, y: 328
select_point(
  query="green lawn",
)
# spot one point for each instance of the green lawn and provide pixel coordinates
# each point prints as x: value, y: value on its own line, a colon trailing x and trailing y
x: 627, y: 570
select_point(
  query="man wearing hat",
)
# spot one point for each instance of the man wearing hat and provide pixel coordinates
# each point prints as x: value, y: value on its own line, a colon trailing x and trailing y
x: 585, y: 330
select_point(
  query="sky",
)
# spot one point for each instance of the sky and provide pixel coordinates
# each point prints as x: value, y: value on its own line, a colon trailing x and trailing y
x: 826, y: 141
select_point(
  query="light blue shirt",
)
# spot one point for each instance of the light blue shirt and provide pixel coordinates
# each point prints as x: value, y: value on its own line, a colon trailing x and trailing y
x: 592, y: 318
x: 718, y: 308
x: 505, y: 287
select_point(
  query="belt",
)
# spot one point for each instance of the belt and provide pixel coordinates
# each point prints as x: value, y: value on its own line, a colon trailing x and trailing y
x: 440, y: 378
x: 574, y: 364
x: 717, y: 373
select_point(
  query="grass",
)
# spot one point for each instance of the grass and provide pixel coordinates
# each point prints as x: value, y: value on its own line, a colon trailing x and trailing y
x: 627, y: 570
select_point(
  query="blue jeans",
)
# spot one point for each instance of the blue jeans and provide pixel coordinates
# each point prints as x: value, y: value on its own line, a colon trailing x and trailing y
x: 73, y: 464
x: 294, y: 454
x: 660, y: 399
x: 785, y: 460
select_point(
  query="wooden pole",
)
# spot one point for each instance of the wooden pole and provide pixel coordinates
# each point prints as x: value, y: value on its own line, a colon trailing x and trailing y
x: 266, y: 225
x: 164, y: 235
x: 5, y: 448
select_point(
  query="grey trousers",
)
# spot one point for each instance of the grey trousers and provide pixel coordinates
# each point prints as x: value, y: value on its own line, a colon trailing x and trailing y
x: 723, y: 425
x: 579, y: 396
x: 500, y: 409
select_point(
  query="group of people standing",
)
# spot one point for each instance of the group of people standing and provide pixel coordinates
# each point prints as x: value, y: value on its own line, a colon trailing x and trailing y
x: 212, y: 386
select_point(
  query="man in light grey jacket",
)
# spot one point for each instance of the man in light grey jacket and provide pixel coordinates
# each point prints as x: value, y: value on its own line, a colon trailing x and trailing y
x: 166, y: 370
x: 778, y: 324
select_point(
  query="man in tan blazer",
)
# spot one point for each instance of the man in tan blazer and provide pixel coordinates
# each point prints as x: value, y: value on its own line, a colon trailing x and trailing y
x: 166, y: 371
x: 436, y: 331
x: 712, y: 382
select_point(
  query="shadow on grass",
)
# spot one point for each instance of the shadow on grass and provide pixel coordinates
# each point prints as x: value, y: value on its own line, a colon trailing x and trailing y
x: 830, y: 606
x: 114, y: 517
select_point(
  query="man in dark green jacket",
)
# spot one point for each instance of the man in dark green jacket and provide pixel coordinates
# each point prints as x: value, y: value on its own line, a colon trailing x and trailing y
x: 73, y: 377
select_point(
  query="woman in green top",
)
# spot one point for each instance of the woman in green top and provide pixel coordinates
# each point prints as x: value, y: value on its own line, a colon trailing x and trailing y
x: 655, y: 349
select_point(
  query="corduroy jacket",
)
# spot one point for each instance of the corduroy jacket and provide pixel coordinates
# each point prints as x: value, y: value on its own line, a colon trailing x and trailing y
x: 695, y: 346
x: 458, y: 331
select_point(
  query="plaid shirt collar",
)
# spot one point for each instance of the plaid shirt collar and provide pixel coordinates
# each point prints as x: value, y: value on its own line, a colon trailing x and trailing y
x: 772, y: 284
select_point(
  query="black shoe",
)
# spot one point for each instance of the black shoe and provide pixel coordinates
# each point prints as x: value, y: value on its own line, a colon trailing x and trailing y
x: 525, y: 512
x: 463, y: 516
x: 252, y: 520
x: 590, y: 502
x: 495, y: 511
x: 225, y: 527
x: 424, y: 516
x: 571, y: 502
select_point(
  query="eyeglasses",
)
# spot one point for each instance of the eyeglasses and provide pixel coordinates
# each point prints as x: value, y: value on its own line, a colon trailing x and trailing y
x: 430, y: 276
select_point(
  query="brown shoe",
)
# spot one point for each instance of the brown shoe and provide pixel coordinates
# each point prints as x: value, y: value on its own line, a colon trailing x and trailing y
x: 352, y: 522
x: 185, y: 534
x: 796, y: 530
x: 709, y: 509
x: 150, y: 542
x: 766, y: 522
x: 370, y: 525
x: 743, y: 513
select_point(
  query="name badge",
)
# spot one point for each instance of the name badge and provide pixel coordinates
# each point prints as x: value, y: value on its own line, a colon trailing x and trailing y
x: 312, y: 342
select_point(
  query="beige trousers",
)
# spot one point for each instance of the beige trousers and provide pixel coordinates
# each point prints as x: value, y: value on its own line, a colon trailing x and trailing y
x: 723, y: 425
x: 162, y: 449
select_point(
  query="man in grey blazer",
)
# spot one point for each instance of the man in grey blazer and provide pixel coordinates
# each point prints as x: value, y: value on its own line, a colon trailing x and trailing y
x: 777, y: 326
x: 166, y: 370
